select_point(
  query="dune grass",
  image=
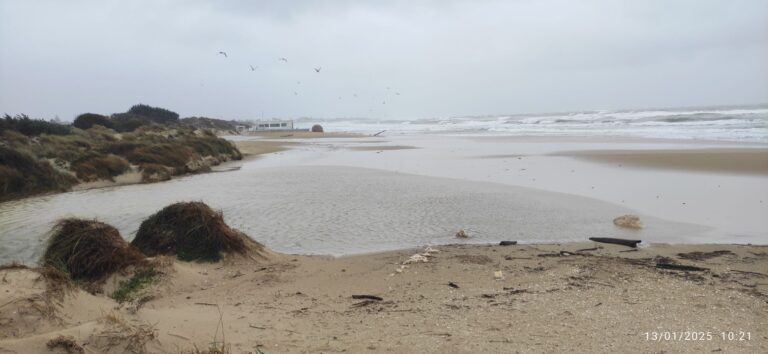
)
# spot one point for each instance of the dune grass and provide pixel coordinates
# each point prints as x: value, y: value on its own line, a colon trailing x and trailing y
x: 88, y: 250
x: 193, y: 232
x: 127, y: 290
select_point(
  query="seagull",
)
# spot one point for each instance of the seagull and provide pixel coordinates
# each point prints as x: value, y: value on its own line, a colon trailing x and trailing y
x: 283, y: 59
x: 397, y: 93
x: 295, y: 93
x: 224, y: 54
x: 317, y: 70
x: 253, y: 68
x: 354, y: 94
x: 383, y: 102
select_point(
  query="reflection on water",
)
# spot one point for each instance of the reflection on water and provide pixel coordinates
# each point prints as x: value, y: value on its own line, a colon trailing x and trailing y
x: 327, y: 210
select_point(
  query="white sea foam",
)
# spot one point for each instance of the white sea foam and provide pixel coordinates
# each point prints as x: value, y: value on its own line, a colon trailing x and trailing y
x: 744, y: 124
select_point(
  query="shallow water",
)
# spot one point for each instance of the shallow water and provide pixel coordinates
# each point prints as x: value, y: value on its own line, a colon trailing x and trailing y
x: 333, y: 210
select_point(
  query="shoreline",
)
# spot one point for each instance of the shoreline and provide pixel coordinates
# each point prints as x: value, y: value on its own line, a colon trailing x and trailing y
x: 548, y: 297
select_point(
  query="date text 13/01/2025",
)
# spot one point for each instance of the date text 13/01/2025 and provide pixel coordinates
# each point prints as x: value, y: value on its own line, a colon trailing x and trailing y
x: 697, y: 336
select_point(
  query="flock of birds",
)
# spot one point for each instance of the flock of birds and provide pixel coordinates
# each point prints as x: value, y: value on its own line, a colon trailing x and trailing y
x: 317, y: 70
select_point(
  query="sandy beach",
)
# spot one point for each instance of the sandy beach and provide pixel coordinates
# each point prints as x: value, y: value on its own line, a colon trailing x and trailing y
x: 549, y: 298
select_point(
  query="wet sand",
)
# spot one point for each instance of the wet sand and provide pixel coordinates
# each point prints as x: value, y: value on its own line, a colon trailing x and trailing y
x: 549, y: 298
x: 724, y: 160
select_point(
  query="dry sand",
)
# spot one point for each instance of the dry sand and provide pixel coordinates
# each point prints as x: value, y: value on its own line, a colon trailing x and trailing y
x: 304, y: 135
x: 597, y: 300
x: 728, y: 160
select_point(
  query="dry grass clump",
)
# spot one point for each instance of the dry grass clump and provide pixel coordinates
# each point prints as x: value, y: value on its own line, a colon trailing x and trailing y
x: 88, y: 249
x: 191, y: 231
x: 100, y: 167
x: 122, y: 336
x: 172, y: 155
x: 22, y: 174
x: 152, y: 172
x: 628, y: 221
x: 317, y: 128
x: 67, y: 344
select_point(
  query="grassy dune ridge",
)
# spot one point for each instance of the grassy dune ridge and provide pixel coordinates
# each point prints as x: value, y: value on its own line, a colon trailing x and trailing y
x: 52, y: 157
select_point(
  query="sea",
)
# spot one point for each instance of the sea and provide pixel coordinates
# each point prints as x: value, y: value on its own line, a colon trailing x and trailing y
x: 733, y: 123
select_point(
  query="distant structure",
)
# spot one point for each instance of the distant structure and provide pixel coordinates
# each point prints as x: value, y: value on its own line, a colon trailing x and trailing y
x: 274, y: 124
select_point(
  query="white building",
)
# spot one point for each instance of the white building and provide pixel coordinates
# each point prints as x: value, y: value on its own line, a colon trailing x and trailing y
x: 272, y: 125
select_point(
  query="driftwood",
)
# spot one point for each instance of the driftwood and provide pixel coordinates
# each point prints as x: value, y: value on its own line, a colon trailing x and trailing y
x: 617, y: 241
x: 507, y: 243
x: 700, y: 256
x: 367, y: 297
x: 686, y: 268
x: 377, y: 134
x: 453, y: 285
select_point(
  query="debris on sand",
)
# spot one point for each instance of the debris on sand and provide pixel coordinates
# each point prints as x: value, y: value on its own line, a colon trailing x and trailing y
x: 421, y: 257
x: 88, y: 249
x: 700, y: 256
x: 685, y: 268
x: 67, y: 344
x: 629, y: 221
x: 462, y: 234
x: 616, y: 241
x: 498, y: 275
x: 193, y: 232
x: 507, y: 243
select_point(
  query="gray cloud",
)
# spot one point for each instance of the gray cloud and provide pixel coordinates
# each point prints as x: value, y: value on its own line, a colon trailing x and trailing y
x: 444, y: 57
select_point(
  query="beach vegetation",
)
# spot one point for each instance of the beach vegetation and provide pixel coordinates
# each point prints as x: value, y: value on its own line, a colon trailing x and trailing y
x: 32, y: 127
x: 23, y: 174
x: 94, y: 166
x: 88, y: 120
x: 193, y: 232
x: 88, y: 250
x: 128, y: 289
x: 155, y: 114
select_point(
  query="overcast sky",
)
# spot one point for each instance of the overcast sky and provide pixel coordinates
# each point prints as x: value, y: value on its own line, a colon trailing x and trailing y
x: 444, y: 58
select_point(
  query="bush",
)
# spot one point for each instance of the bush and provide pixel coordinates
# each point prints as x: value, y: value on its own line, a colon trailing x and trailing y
x: 87, y: 120
x: 151, y: 173
x: 96, y: 167
x: 317, y: 128
x: 214, y: 146
x: 191, y: 231
x: 128, y: 122
x: 155, y: 114
x: 22, y: 174
x: 171, y: 155
x: 88, y: 249
x: 29, y: 127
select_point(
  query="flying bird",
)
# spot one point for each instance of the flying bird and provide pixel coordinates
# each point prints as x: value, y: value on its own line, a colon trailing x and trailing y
x: 224, y: 54
x: 317, y: 70
x: 397, y: 93
x: 253, y: 68
x: 295, y: 93
x: 283, y: 59
x: 384, y: 102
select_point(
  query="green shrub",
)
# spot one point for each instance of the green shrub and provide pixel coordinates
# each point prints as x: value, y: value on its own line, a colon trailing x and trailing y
x: 128, y: 122
x: 88, y: 120
x: 155, y: 114
x: 30, y: 127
